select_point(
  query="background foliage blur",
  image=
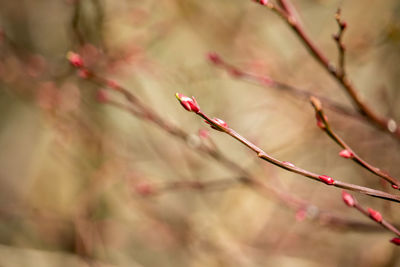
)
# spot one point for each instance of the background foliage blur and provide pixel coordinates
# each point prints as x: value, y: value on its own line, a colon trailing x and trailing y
x: 70, y: 167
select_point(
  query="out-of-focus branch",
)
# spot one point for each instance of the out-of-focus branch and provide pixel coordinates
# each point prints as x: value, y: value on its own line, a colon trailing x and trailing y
x: 266, y: 81
x: 384, y: 123
x: 222, y: 126
x: 142, y: 111
x: 348, y: 152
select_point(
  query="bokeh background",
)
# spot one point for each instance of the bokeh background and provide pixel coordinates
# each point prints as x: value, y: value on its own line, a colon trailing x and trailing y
x: 77, y: 176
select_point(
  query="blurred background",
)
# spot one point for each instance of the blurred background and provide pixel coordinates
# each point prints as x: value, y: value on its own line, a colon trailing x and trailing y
x: 84, y: 183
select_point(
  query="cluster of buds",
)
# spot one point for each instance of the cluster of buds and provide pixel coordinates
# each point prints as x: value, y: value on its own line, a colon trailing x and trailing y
x: 188, y: 103
x: 327, y: 179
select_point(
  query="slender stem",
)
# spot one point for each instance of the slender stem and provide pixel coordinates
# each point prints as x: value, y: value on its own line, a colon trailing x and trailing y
x: 383, y: 222
x: 326, y: 127
x: 387, y: 124
x: 289, y: 167
x: 269, y: 82
x: 139, y: 109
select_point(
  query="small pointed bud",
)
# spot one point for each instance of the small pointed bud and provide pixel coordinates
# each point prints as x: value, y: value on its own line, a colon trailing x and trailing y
x: 395, y: 241
x: 102, y: 96
x: 375, y: 215
x: 113, y: 84
x: 218, y: 122
x: 343, y: 25
x: 83, y: 73
x: 347, y: 154
x: 75, y: 59
x: 301, y: 215
x: 395, y: 186
x: 326, y: 179
x: 144, y: 189
x: 214, y: 58
x: 348, y: 199
x: 190, y: 104
x: 203, y: 133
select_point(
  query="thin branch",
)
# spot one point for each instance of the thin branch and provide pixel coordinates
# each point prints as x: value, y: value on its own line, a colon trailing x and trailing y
x: 220, y: 125
x: 338, y: 37
x: 266, y: 81
x: 370, y: 213
x: 322, y: 122
x: 147, y: 114
x: 384, y: 123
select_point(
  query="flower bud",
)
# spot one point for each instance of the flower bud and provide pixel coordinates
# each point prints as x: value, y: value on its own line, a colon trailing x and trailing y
x: 188, y: 103
x: 348, y: 199
x: 347, y: 154
x: 75, y: 59
x: 395, y: 241
x: 326, y: 179
x: 214, y: 58
x: 375, y: 215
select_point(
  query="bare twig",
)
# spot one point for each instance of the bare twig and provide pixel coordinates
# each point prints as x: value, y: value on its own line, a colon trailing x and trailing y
x: 384, y: 123
x: 220, y: 125
x: 348, y: 152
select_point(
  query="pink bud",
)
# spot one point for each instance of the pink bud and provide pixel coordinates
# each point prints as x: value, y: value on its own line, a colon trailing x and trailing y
x: 113, y: 84
x: 263, y: 2
x: 214, y: 58
x: 102, y: 96
x: 188, y: 103
x: 326, y: 179
x: 347, y: 154
x: 218, y: 122
x: 204, y: 133
x: 83, y: 73
x: 75, y: 59
x: 348, y: 199
x: 395, y: 186
x: 395, y: 241
x: 375, y: 215
x: 301, y: 214
x: 144, y: 189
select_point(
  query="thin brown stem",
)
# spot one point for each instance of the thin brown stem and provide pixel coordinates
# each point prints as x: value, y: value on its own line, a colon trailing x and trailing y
x: 324, y: 124
x: 290, y: 167
x: 381, y: 122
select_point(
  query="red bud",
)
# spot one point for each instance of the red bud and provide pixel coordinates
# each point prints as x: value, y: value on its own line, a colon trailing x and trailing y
x: 75, y: 59
x: 214, y: 58
x: 347, y: 154
x: 348, y: 199
x: 375, y: 215
x: 395, y: 186
x: 326, y: 179
x: 395, y: 241
x: 188, y: 103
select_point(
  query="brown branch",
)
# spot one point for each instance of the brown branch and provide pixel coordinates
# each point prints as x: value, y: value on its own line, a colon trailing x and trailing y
x: 338, y: 37
x: 323, y: 123
x: 381, y: 122
x: 266, y: 81
x: 223, y: 127
x: 146, y: 113
x: 370, y: 213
